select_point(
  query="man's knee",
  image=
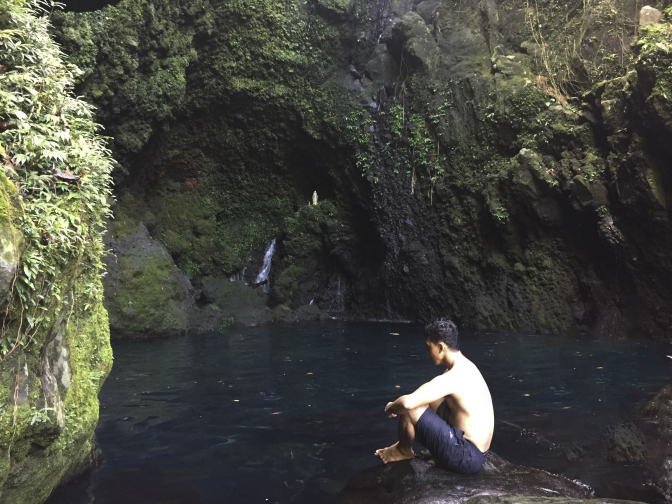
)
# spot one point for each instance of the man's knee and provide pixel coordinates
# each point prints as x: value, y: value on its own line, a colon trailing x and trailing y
x: 415, y: 414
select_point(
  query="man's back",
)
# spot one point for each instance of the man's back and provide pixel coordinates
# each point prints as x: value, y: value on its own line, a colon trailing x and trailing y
x: 470, y: 403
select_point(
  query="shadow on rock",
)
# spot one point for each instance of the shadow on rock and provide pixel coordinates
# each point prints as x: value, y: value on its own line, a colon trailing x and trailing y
x: 418, y: 481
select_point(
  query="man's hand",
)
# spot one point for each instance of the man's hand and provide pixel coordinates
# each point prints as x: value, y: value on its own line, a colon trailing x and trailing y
x: 388, y: 413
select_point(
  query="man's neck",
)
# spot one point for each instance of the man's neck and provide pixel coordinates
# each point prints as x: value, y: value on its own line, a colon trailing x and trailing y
x: 451, y: 358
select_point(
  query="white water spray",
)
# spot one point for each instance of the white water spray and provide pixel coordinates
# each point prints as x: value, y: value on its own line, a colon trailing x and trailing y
x: 266, y: 268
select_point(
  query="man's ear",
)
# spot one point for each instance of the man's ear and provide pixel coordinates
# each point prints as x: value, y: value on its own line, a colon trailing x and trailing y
x: 442, y: 346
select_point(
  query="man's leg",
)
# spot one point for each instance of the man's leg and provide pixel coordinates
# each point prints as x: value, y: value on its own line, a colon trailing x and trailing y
x: 402, y: 449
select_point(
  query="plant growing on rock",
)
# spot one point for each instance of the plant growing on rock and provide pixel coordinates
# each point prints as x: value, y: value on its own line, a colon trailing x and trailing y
x: 54, y: 188
x: 52, y: 153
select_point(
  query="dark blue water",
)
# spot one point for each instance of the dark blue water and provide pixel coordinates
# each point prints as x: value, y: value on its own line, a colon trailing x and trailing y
x: 288, y: 413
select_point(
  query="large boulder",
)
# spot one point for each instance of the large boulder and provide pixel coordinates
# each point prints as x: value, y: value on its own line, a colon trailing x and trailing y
x: 337, y: 10
x: 412, y: 41
x: 145, y: 293
x: 526, y: 499
x: 222, y: 302
x: 418, y: 481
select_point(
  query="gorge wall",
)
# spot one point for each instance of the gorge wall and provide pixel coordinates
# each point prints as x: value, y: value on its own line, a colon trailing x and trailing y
x: 54, y: 336
x: 505, y: 164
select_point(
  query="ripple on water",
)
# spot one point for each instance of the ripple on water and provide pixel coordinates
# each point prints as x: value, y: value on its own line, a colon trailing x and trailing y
x: 289, y: 413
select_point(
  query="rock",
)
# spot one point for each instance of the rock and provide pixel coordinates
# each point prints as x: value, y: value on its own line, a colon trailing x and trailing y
x: 336, y: 10
x: 649, y: 15
x: 589, y: 193
x: 11, y: 237
x: 224, y: 303
x: 145, y: 293
x: 609, y: 232
x: 625, y: 443
x: 525, y: 499
x: 418, y: 481
x: 427, y: 9
x: 665, y: 480
x: 282, y: 313
x: 659, y: 409
x: 412, y: 40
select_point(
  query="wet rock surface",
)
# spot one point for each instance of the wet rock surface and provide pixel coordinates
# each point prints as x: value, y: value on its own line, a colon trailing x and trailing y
x: 657, y: 426
x: 525, y: 499
x: 418, y: 481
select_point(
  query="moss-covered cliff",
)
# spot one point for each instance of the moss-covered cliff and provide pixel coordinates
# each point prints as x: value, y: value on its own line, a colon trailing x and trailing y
x: 54, y: 337
x: 501, y: 163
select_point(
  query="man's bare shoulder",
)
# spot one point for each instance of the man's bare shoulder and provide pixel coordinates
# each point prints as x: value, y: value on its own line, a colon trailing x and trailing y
x: 463, y: 367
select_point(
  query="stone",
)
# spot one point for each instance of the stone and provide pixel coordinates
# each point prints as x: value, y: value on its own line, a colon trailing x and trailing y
x: 11, y: 237
x: 412, y: 41
x: 282, y: 313
x: 526, y: 499
x: 227, y: 302
x: 625, y: 443
x: 426, y: 9
x: 145, y: 293
x: 649, y: 15
x: 659, y: 409
x: 665, y: 480
x: 418, y: 481
x: 589, y: 193
x: 336, y: 10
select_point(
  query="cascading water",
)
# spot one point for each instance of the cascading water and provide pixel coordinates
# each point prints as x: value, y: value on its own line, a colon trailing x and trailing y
x: 238, y: 277
x: 266, y: 267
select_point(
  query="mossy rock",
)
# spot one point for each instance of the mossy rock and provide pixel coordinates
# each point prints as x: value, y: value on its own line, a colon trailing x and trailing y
x: 225, y: 303
x: 335, y: 9
x: 286, y: 285
x: 412, y: 40
x: 11, y: 237
x: 145, y: 292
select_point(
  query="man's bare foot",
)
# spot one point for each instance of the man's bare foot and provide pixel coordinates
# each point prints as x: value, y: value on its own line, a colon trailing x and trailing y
x: 394, y: 453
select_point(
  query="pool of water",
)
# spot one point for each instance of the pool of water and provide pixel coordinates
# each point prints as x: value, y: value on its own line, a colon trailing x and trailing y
x: 288, y: 413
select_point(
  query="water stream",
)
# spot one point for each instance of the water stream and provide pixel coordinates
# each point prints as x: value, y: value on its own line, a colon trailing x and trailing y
x: 266, y: 267
x: 288, y: 413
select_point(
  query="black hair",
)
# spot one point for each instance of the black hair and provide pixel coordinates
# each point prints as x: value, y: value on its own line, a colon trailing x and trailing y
x: 443, y: 331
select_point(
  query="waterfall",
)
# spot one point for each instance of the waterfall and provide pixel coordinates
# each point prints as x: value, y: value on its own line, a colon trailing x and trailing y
x: 266, y: 268
x: 238, y: 277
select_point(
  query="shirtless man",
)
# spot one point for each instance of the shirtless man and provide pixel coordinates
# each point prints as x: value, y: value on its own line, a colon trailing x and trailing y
x: 451, y: 415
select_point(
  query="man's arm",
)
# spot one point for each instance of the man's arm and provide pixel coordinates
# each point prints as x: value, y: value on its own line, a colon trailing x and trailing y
x: 439, y: 387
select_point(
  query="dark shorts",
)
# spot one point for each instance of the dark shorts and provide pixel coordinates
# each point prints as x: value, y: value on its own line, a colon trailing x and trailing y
x: 446, y: 443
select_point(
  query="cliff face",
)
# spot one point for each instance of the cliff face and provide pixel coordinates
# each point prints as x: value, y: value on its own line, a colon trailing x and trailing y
x: 499, y: 163
x: 54, y: 336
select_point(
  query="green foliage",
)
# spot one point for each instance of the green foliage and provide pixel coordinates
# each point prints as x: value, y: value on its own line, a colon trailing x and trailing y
x: 654, y: 47
x: 191, y: 268
x: 359, y: 126
x: 226, y: 322
x: 40, y: 416
x: 500, y: 213
x: 54, y: 155
x: 397, y: 122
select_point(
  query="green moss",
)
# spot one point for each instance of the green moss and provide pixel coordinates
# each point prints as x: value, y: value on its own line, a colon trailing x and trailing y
x: 55, y: 330
x: 287, y: 284
x: 146, y: 294
x: 9, y: 200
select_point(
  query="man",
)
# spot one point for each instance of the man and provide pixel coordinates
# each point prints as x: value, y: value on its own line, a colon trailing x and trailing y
x: 452, y: 415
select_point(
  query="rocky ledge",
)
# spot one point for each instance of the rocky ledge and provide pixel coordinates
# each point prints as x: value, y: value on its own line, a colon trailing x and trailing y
x: 418, y: 481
